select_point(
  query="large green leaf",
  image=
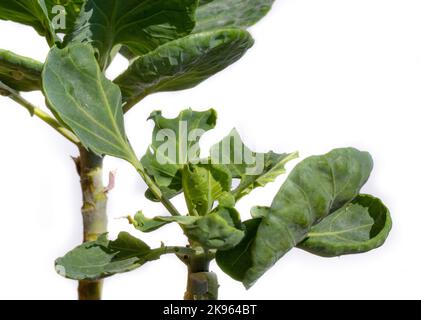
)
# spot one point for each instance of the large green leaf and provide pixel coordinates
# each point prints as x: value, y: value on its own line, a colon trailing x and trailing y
x: 203, y: 184
x: 216, y: 14
x: 142, y: 25
x: 20, y: 73
x: 237, y: 261
x: 183, y: 63
x: 33, y: 13
x: 42, y: 15
x: 175, y: 143
x: 253, y: 169
x: 86, y: 101
x: 125, y: 52
x: 104, y: 258
x: 316, y: 188
x: 358, y: 227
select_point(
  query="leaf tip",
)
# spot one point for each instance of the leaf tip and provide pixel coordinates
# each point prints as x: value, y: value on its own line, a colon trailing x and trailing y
x: 60, y: 268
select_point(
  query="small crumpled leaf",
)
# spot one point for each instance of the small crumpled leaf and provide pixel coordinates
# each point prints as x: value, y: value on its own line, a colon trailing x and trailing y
x: 220, y: 229
x: 361, y: 226
x: 145, y: 224
x: 20, y: 73
x: 259, y: 212
x: 253, y: 169
x: 203, y: 184
x: 216, y: 14
x: 226, y: 199
x: 103, y: 258
x: 175, y: 142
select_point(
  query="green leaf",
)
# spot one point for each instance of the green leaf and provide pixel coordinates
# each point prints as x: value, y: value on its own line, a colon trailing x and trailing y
x: 142, y: 25
x: 218, y: 230
x: 43, y: 15
x: 181, y: 220
x: 171, y: 147
x: 361, y: 226
x: 20, y: 73
x: 203, y: 184
x: 183, y: 63
x: 226, y: 199
x: 253, y: 169
x: 259, y: 212
x: 316, y: 188
x: 103, y: 258
x: 221, y: 229
x: 145, y: 224
x: 125, y: 52
x: 216, y: 14
x: 33, y: 13
x: 238, y: 260
x: 86, y: 101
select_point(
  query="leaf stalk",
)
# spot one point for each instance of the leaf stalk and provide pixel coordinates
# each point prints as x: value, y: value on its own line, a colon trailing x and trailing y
x: 156, y: 191
x: 39, y: 113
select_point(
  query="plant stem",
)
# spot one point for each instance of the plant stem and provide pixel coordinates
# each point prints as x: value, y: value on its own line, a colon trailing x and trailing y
x: 94, y: 211
x: 35, y: 111
x: 156, y: 191
x: 90, y: 290
x: 201, y: 283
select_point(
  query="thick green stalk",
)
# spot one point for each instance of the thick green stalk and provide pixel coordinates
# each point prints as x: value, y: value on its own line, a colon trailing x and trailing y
x: 94, y: 211
x: 20, y: 73
x: 201, y: 283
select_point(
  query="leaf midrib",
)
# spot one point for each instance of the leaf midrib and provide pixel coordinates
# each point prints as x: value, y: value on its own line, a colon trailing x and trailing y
x: 112, y: 117
x: 336, y: 233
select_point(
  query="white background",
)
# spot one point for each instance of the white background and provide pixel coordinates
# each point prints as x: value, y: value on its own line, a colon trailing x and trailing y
x: 322, y: 74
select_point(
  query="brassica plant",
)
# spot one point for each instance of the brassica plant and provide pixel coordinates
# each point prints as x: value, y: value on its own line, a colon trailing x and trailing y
x: 319, y: 208
x: 175, y: 45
